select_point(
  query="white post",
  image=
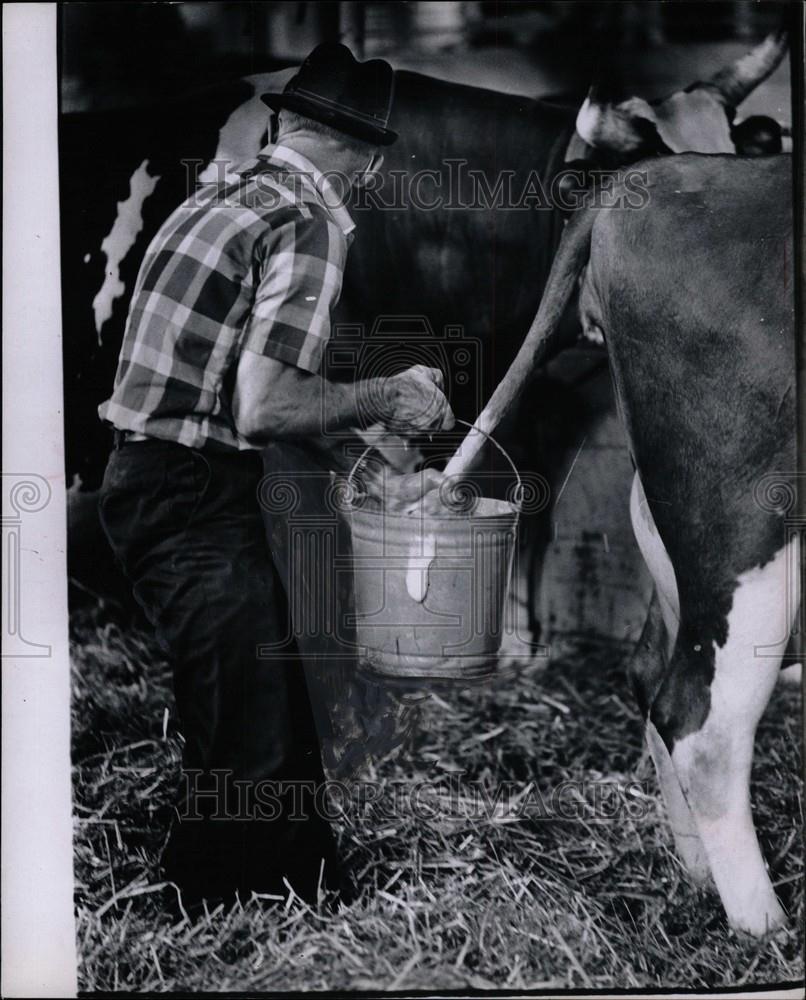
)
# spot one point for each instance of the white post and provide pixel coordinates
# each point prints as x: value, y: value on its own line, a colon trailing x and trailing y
x: 38, y: 932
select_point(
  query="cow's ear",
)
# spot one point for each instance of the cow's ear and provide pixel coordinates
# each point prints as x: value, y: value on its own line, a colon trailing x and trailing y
x: 693, y: 121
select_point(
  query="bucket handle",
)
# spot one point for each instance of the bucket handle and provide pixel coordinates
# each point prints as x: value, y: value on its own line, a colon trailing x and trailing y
x: 517, y: 497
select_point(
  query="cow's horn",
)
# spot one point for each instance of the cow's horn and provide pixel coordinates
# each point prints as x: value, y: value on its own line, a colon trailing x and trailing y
x: 736, y: 81
x: 603, y: 125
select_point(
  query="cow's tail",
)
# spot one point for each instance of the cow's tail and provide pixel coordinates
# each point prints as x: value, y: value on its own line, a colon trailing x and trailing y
x: 571, y: 257
x: 541, y: 338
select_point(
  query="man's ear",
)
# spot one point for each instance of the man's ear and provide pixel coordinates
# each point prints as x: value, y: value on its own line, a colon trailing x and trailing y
x: 274, y: 122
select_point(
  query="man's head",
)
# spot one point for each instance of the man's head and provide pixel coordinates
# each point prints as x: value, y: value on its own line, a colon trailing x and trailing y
x: 338, y: 106
x: 339, y: 150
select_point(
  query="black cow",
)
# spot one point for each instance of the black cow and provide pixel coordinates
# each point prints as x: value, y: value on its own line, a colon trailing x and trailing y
x: 694, y: 299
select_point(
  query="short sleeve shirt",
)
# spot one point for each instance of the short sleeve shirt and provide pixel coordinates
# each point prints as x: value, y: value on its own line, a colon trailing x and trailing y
x: 251, y: 262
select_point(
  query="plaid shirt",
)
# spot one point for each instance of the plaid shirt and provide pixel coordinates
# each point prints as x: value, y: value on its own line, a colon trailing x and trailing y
x: 251, y: 263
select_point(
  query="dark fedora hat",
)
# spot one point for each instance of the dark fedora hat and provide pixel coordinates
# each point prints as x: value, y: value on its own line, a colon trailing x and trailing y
x: 334, y: 88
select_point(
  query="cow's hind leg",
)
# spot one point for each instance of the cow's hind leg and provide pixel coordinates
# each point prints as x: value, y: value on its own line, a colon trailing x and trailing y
x: 710, y: 729
x: 648, y: 668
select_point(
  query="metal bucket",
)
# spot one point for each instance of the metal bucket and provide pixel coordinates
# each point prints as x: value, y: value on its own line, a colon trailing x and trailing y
x: 430, y: 591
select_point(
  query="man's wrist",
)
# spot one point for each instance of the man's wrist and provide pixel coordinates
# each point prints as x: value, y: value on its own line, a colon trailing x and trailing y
x: 375, y: 401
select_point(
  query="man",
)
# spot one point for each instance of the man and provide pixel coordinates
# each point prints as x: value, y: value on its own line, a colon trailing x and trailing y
x: 225, y: 335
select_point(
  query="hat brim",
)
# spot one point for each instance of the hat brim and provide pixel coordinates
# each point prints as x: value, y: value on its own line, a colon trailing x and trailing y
x: 337, y: 118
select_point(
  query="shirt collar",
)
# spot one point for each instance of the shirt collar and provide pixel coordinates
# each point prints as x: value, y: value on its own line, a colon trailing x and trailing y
x: 280, y: 155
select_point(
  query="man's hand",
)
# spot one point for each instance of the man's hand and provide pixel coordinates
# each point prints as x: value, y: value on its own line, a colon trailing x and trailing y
x: 413, y: 402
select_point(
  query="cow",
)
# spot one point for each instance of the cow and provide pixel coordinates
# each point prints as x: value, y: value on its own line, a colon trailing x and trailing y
x: 123, y: 172
x: 693, y: 297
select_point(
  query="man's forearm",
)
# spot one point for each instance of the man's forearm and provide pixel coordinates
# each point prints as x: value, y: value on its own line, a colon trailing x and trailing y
x: 356, y: 404
x: 324, y: 407
x: 303, y: 405
x: 276, y: 401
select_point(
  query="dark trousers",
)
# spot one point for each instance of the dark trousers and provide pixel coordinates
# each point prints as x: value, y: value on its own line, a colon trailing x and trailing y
x: 187, y: 528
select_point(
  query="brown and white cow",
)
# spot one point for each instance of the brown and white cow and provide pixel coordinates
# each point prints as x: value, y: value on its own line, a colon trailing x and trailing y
x: 694, y: 298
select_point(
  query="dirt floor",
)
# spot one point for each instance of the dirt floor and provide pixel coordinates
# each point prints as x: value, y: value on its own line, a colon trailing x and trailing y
x: 535, y: 857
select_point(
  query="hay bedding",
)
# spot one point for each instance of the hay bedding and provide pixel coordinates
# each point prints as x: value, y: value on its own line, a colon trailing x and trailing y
x: 458, y: 900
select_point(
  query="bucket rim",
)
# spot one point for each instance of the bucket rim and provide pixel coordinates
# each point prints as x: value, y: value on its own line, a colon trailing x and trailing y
x: 457, y: 519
